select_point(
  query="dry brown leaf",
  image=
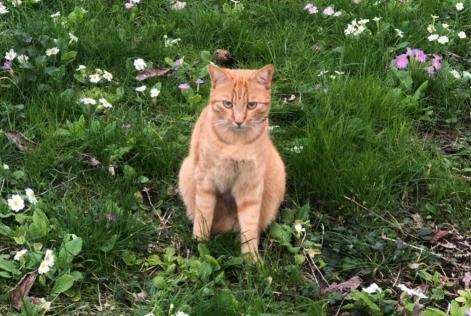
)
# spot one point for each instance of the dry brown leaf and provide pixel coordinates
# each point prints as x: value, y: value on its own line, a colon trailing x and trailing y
x: 448, y: 245
x: 139, y: 297
x: 20, y: 141
x: 22, y: 289
x: 467, y: 280
x: 152, y: 72
x: 437, y: 235
x: 350, y: 284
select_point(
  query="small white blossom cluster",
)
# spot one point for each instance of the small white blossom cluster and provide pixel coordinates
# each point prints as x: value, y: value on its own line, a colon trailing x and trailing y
x: 297, y: 149
x: 3, y: 8
x: 91, y: 101
x: 154, y: 91
x: 356, y: 27
x: 16, y: 202
x: 457, y: 75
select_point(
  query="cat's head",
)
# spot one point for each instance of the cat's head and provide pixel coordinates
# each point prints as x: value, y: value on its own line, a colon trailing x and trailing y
x: 240, y: 98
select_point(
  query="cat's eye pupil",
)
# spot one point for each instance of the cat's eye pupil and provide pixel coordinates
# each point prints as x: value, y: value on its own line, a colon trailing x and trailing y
x: 227, y: 104
x: 252, y: 105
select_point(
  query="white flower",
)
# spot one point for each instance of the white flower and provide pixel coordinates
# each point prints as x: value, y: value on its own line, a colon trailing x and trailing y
x: 328, y: 11
x: 88, y: 101
x: 31, y: 197
x: 359, y: 30
x: 433, y: 37
x: 459, y: 6
x: 95, y: 78
x: 180, y: 313
x: 52, y: 51
x: 49, y: 258
x: 462, y: 35
x: 376, y: 19
x: 43, y: 268
x: 10, y: 55
x: 445, y: 26
x: 443, y: 39
x: 6, y: 167
x: 431, y: 28
x: 108, y: 76
x: 128, y: 5
x: 44, y: 305
x: 105, y: 103
x: 140, y: 64
x: 363, y: 21
x: 56, y: 15
x: 455, y: 74
x: 80, y: 67
x: 373, y: 288
x: 154, y: 92
x: 20, y: 254
x: 141, y: 88
x: 73, y: 38
x: 23, y: 59
x: 466, y: 75
x: 298, y: 227
x: 338, y: 13
x: 399, y: 33
x: 136, y: 1
x: 349, y: 30
x: 16, y: 3
x: 3, y: 9
x: 297, y: 149
x: 16, y: 203
x: 411, y: 292
x: 178, y: 5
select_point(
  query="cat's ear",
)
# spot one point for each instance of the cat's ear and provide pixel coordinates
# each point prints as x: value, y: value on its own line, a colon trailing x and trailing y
x: 264, y: 76
x: 218, y: 75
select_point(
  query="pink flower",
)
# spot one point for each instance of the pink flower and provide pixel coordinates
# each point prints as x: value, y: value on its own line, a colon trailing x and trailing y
x: 199, y: 81
x: 401, y: 61
x: 328, y: 11
x: 312, y: 9
x: 419, y: 54
x: 128, y: 5
x: 179, y: 61
x: 430, y: 70
x: 184, y: 86
x: 436, y: 61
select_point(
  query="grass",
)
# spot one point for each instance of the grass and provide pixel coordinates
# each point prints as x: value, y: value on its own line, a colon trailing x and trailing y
x: 373, y: 156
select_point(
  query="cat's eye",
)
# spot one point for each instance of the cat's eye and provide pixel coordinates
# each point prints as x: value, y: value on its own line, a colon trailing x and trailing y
x: 251, y: 105
x: 227, y: 104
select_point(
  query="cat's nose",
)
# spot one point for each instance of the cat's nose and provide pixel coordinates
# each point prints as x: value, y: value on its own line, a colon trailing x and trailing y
x: 238, y: 123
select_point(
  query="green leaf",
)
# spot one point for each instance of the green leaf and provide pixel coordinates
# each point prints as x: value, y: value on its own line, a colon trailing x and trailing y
x: 365, y: 299
x: 8, y: 265
x: 5, y: 275
x: 5, y: 230
x: 63, y: 283
x: 41, y: 221
x: 280, y: 233
x: 203, y: 250
x: 68, y: 57
x: 109, y: 243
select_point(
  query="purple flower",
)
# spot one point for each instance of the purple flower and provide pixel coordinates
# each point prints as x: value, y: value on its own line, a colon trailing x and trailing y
x: 7, y: 65
x: 468, y: 312
x: 110, y: 217
x: 430, y: 70
x: 401, y: 61
x: 179, y: 61
x: 437, y: 61
x: 199, y: 81
x: 312, y: 9
x: 184, y: 86
x: 417, y: 53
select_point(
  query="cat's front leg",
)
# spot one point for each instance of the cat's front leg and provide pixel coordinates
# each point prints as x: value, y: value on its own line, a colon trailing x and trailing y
x: 249, y: 201
x: 204, y: 212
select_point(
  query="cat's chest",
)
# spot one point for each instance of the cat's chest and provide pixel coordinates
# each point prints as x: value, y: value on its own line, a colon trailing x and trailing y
x: 228, y: 171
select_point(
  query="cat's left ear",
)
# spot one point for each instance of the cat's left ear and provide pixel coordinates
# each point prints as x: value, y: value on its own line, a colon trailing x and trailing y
x: 264, y: 76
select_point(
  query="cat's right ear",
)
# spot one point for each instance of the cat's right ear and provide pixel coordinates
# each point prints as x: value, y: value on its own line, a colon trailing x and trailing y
x: 218, y: 75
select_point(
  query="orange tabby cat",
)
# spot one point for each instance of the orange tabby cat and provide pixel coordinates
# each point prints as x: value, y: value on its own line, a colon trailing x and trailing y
x: 233, y: 178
